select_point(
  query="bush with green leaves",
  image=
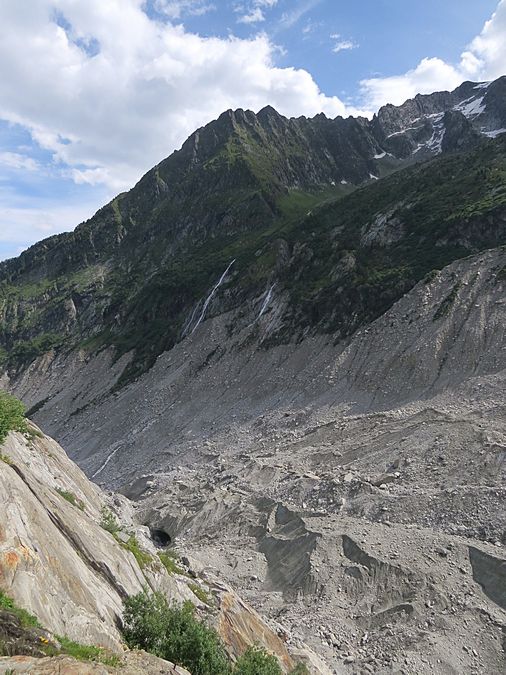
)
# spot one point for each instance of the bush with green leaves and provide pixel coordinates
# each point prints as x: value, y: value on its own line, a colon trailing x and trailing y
x: 256, y: 661
x: 108, y: 521
x: 12, y: 416
x: 71, y: 498
x: 173, y: 632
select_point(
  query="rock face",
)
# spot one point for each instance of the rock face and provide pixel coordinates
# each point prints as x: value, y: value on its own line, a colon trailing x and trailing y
x: 55, y: 558
x: 135, y: 663
x: 58, y: 562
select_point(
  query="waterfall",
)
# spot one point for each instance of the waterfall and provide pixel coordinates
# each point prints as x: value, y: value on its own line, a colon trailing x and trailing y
x: 210, y: 296
x: 266, y: 301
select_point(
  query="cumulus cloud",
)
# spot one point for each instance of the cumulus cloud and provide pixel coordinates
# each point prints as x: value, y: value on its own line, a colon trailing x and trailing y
x: 111, y: 113
x: 484, y: 59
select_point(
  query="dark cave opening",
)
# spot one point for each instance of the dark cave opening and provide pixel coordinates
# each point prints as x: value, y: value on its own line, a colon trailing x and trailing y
x: 160, y: 538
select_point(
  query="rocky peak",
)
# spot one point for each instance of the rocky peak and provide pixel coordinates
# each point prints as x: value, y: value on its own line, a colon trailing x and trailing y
x: 459, y: 133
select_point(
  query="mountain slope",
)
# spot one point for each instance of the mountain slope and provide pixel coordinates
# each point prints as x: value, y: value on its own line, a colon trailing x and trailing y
x: 302, y: 383
x: 237, y: 190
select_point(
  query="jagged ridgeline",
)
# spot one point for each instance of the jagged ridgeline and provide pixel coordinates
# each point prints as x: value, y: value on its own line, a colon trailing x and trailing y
x: 342, y: 217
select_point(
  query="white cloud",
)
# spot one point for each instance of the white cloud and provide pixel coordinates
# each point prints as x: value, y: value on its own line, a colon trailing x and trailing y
x: 22, y: 226
x: 254, y: 13
x: 111, y: 116
x: 175, y: 9
x: 484, y: 59
x: 255, y: 16
x: 342, y: 45
x: 14, y: 160
x: 294, y: 15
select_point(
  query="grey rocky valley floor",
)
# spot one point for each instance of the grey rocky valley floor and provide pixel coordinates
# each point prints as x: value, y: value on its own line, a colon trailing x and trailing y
x: 354, y: 495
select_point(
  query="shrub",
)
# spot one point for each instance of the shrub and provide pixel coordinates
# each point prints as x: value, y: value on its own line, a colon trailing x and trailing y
x: 168, y: 560
x: 173, y: 632
x: 143, y: 557
x: 12, y: 416
x: 71, y: 498
x: 256, y: 661
x: 108, y: 521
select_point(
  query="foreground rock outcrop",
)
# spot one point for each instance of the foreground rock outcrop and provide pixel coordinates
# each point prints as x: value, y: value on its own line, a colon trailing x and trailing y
x: 59, y: 562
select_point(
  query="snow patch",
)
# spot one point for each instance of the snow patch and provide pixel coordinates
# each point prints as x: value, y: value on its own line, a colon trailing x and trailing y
x: 403, y: 131
x: 494, y: 133
x: 380, y: 155
x: 471, y: 107
x: 373, y: 177
x: 435, y: 143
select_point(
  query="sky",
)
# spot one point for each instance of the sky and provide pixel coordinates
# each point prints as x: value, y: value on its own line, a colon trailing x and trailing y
x: 93, y: 93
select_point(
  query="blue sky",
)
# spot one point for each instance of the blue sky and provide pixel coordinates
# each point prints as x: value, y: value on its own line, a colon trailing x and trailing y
x: 386, y: 36
x: 94, y: 93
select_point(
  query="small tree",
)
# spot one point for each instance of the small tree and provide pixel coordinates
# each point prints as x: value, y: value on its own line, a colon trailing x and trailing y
x: 256, y: 661
x: 173, y: 632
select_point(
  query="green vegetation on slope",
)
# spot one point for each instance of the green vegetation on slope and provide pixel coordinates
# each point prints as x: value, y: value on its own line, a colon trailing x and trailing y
x: 61, y: 644
x: 12, y: 416
x: 343, y: 259
x: 71, y: 498
x: 27, y: 620
x: 174, y: 632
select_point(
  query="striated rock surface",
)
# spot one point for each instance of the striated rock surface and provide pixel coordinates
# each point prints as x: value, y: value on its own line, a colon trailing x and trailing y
x: 58, y: 562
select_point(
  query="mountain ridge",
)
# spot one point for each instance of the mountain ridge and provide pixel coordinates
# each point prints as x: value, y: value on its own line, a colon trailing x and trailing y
x: 380, y: 119
x: 239, y: 184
